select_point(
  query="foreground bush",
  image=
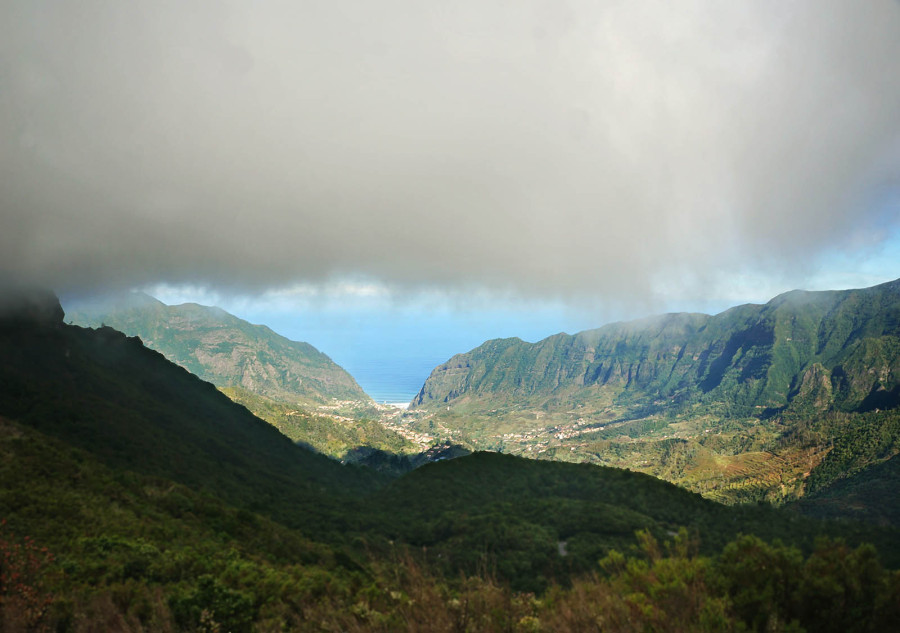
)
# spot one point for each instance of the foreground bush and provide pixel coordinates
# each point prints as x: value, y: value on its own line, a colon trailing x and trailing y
x: 750, y: 586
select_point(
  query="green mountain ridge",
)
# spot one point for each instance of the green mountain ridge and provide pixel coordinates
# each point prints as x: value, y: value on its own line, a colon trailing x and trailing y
x: 733, y: 387
x: 104, y: 392
x: 290, y: 384
x: 750, y: 356
x: 223, y: 349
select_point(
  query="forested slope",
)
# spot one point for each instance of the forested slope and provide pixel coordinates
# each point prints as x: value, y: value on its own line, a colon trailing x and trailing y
x: 740, y: 406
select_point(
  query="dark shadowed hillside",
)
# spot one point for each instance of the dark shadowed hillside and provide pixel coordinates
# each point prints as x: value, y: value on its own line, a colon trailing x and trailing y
x: 289, y: 384
x: 106, y: 393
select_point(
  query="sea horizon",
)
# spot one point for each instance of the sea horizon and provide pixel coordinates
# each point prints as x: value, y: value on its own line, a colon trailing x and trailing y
x: 388, y: 382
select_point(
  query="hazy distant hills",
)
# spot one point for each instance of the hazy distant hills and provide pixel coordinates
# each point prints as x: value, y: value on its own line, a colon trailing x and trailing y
x: 223, y: 349
x: 725, y: 404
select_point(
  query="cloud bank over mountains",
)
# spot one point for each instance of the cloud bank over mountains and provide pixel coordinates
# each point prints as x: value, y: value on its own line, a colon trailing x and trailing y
x: 547, y: 149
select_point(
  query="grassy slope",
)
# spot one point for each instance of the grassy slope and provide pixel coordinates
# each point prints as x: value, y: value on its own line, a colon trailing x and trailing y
x: 334, y: 436
x: 67, y: 499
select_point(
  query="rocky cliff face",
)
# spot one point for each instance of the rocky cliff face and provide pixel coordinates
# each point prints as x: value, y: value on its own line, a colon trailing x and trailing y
x: 844, y: 345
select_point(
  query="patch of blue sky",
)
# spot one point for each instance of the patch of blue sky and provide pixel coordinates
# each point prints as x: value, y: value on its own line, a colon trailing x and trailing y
x: 390, y: 345
x: 390, y: 342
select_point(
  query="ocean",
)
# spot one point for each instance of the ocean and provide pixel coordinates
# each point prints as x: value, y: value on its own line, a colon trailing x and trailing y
x: 391, y: 351
x: 392, y: 380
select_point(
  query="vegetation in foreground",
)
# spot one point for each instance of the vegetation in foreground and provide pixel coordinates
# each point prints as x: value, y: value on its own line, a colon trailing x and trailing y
x: 136, y: 497
x: 89, y: 547
x: 749, y: 586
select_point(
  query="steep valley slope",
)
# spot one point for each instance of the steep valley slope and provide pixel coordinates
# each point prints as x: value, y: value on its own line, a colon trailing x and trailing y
x: 743, y: 405
x: 290, y: 384
x: 223, y: 349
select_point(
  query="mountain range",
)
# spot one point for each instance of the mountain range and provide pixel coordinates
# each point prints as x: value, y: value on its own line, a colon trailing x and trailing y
x: 223, y: 349
x: 104, y: 392
x: 290, y: 384
x: 833, y: 349
x: 741, y: 405
x: 151, y: 501
x: 745, y: 405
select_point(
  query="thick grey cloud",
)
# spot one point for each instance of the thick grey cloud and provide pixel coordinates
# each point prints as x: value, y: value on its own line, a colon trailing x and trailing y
x: 543, y: 148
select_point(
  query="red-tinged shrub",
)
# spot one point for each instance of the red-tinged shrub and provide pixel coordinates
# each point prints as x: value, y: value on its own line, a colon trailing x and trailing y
x: 24, y: 603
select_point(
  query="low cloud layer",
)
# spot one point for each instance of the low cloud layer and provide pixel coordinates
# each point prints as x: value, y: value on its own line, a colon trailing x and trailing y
x: 547, y: 149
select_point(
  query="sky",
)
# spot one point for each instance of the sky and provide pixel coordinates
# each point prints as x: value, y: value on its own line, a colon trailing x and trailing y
x: 483, y: 165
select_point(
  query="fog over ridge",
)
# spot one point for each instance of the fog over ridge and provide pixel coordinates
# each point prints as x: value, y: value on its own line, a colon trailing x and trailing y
x: 546, y: 149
